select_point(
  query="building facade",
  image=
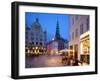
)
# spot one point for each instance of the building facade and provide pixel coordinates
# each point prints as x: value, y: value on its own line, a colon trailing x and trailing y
x: 57, y: 44
x: 79, y: 37
x: 35, y: 39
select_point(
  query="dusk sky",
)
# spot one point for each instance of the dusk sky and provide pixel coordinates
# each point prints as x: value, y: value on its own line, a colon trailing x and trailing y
x: 48, y: 22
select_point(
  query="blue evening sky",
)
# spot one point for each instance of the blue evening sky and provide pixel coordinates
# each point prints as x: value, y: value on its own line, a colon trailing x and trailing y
x: 48, y: 22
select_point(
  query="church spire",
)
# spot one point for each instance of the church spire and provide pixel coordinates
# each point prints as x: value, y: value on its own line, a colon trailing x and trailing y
x: 57, y: 34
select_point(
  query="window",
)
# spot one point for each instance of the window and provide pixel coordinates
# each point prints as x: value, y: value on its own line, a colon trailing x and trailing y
x: 32, y: 38
x: 40, y: 43
x: 81, y: 29
x: 72, y: 21
x: 33, y: 43
x: 26, y: 37
x: 76, y: 18
x: 26, y: 33
x: 41, y: 36
x: 41, y: 50
x: 32, y: 34
x: 40, y: 39
x: 36, y: 43
x: 36, y: 38
x: 26, y: 50
x: 73, y: 35
x: 76, y: 34
x: 87, y: 23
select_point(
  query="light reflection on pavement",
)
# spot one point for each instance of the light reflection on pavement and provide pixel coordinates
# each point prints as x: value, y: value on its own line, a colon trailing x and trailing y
x: 44, y: 61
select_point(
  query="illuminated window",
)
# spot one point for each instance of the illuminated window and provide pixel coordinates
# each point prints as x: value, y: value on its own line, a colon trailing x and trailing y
x: 33, y: 47
x: 36, y: 47
x: 35, y: 51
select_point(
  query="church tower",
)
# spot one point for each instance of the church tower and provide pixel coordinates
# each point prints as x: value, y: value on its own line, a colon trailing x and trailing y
x: 57, y: 34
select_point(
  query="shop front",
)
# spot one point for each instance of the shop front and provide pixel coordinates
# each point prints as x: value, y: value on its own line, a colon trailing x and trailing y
x: 85, y: 49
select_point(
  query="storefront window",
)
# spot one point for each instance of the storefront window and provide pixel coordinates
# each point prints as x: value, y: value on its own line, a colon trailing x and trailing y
x: 85, y: 46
